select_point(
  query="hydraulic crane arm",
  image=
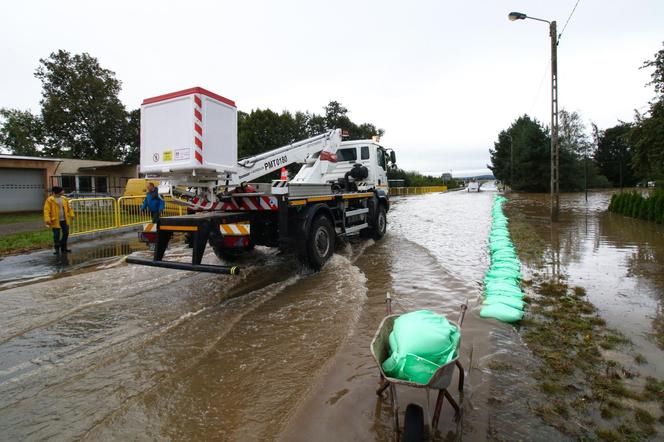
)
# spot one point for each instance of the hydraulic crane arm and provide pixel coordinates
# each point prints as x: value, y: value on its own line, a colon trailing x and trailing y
x: 251, y: 168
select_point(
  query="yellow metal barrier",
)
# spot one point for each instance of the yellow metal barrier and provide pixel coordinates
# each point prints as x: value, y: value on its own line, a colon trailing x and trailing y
x: 398, y: 191
x: 93, y: 215
x: 129, y: 211
x: 98, y: 214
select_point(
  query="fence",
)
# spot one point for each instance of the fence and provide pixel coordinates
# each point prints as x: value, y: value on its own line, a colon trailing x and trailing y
x: 99, y: 214
x: 397, y: 191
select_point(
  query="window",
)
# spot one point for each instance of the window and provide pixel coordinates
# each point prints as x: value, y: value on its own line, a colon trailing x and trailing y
x: 68, y: 183
x: 381, y: 158
x: 84, y: 184
x: 347, y: 154
x: 101, y: 184
x: 365, y: 153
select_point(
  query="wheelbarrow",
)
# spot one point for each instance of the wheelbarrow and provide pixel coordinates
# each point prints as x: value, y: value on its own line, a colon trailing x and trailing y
x: 440, y: 380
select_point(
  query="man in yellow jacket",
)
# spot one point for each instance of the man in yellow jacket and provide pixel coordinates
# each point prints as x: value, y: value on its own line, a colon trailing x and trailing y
x: 58, y: 216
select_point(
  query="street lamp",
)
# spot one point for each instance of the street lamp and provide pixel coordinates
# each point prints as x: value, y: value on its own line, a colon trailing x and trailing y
x: 555, y: 158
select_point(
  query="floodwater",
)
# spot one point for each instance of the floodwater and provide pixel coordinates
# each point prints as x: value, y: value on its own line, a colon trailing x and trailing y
x: 129, y: 352
x: 617, y: 259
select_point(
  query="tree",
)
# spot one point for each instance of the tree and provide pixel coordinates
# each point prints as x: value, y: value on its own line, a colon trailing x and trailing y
x: 81, y: 112
x: 262, y: 130
x: 528, y: 143
x: 131, y: 153
x: 614, y: 155
x: 647, y: 135
x: 22, y: 132
x: 572, y: 134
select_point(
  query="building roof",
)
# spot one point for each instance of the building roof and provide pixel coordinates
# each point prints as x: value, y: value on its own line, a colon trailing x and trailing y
x: 17, y: 157
x: 72, y: 166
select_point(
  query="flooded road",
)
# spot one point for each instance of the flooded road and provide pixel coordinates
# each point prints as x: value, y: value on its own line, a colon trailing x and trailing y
x: 129, y: 352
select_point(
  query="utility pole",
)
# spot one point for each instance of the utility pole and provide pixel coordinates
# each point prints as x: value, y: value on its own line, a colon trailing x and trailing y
x: 555, y: 158
x: 555, y: 154
x: 511, y: 161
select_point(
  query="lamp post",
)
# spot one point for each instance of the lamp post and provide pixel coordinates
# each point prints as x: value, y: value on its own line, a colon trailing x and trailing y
x: 555, y: 158
x: 511, y: 161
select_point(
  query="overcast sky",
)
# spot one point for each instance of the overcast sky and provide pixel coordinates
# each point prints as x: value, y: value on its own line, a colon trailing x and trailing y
x: 442, y: 78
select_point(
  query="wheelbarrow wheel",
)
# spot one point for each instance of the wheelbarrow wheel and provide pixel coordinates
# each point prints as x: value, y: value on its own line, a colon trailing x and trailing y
x: 413, y: 428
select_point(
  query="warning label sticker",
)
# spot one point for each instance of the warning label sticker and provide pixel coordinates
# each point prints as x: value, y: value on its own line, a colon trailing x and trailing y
x: 168, y: 155
x: 181, y: 154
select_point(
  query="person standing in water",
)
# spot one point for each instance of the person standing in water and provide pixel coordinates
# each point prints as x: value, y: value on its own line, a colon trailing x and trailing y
x: 58, y: 216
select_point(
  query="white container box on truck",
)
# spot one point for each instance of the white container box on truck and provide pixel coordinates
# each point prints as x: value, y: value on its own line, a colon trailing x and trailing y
x: 188, y: 131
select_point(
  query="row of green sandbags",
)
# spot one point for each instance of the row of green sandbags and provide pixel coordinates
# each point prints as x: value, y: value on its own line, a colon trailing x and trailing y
x: 503, y: 298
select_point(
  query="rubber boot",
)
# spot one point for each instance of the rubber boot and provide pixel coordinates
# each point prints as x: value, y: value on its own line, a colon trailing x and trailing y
x: 57, y: 249
x: 64, y: 248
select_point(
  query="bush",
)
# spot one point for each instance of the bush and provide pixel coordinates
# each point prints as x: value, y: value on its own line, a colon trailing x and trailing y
x: 634, y: 204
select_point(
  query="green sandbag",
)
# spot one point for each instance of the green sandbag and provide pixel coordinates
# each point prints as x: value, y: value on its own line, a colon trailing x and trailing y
x: 503, y: 254
x: 417, y: 369
x: 502, y: 288
x: 506, y: 263
x: 511, y: 301
x: 503, y: 273
x: 501, y: 312
x: 500, y: 246
x: 503, y: 291
x: 420, y: 342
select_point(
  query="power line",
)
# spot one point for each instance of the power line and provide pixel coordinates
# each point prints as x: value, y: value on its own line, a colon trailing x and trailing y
x: 539, y: 88
x: 568, y: 19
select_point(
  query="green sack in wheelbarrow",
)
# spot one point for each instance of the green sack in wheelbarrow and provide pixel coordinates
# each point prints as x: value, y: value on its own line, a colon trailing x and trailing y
x: 420, y: 342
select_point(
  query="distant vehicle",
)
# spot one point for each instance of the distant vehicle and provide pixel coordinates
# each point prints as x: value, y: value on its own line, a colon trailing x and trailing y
x: 138, y: 186
x: 473, y: 186
x: 651, y: 184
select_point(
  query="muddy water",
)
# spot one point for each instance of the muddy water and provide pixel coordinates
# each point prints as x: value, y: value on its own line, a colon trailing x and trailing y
x: 129, y: 352
x: 42, y: 265
x: 618, y: 260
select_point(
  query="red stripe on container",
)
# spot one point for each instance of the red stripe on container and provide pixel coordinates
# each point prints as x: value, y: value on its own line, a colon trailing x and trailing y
x: 198, y: 142
x: 199, y: 157
x: 198, y: 129
x: 198, y: 115
x: 198, y: 101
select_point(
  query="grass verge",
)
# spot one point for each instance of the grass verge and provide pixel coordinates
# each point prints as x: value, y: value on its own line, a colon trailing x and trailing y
x: 11, y: 218
x: 587, y: 394
x: 25, y: 241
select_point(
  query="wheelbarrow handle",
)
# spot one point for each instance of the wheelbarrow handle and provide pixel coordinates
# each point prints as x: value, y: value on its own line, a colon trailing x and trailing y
x: 388, y: 301
x: 462, y: 314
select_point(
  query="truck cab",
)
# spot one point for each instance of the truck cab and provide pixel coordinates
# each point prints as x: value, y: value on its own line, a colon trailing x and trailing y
x: 350, y: 154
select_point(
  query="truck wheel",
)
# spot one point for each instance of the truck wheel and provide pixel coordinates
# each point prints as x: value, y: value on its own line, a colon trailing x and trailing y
x: 413, y: 429
x: 380, y: 226
x: 225, y: 254
x: 320, y: 242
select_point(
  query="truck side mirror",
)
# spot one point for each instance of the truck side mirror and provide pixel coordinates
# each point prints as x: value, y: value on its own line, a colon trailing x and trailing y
x: 393, y: 157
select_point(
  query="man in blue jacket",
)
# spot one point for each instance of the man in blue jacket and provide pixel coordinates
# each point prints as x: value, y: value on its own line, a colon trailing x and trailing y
x: 153, y: 202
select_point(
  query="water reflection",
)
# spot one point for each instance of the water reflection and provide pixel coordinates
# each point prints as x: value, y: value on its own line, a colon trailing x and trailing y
x: 618, y: 260
x: 40, y: 265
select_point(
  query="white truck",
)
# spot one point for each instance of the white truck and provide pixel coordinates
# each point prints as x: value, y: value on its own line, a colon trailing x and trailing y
x: 189, y: 141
